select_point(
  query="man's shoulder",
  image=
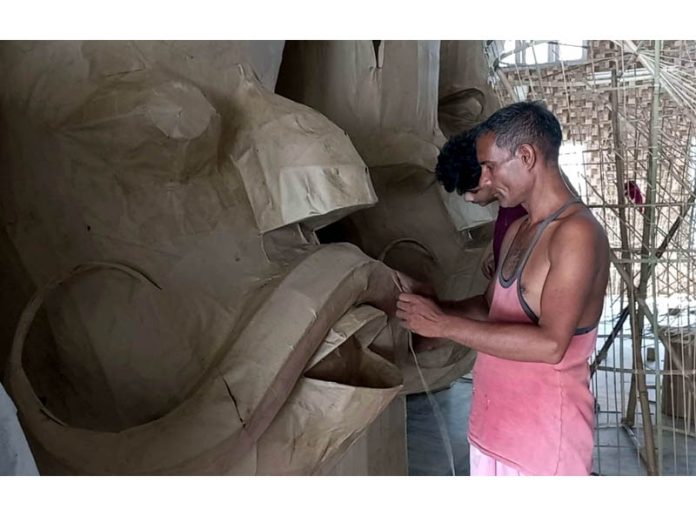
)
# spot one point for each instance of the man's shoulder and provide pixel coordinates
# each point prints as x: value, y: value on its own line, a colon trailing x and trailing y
x: 579, y: 228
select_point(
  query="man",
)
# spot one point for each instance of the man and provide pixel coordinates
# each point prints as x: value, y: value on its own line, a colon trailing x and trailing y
x: 458, y: 168
x: 536, y: 325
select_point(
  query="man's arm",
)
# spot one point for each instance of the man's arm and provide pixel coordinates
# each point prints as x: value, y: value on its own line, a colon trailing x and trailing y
x: 475, y: 307
x: 564, y: 296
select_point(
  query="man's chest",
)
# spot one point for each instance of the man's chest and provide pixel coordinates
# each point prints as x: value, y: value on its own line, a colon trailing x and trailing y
x: 527, y: 262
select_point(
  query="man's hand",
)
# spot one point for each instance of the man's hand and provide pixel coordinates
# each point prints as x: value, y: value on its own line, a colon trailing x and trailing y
x: 412, y: 286
x: 421, y: 315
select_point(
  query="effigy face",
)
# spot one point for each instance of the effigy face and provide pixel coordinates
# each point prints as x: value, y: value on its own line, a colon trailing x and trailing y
x: 163, y: 201
x: 386, y: 96
x: 465, y: 96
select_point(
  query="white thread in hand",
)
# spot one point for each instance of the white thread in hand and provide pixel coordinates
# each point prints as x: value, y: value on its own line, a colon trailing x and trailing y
x: 439, y: 418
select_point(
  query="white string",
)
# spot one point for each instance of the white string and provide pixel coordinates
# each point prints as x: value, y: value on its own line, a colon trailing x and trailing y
x: 439, y: 418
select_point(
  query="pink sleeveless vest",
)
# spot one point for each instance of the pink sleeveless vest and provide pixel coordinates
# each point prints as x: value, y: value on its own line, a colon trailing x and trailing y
x: 532, y: 416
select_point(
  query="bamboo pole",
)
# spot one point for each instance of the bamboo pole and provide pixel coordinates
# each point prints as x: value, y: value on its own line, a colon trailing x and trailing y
x: 647, y: 244
x: 619, y: 163
x: 623, y: 225
x: 629, y: 418
x: 504, y: 80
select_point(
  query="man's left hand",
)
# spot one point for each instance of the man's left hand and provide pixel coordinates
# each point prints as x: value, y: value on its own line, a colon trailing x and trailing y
x: 421, y: 315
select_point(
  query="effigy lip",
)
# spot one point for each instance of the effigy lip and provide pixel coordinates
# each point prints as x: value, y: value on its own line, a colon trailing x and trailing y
x: 235, y: 404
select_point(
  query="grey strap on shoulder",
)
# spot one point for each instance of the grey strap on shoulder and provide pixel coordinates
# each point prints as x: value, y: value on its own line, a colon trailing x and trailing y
x: 518, y: 273
x: 542, y: 226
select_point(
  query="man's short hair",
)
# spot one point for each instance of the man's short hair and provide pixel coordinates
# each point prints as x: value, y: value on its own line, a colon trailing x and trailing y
x: 457, y: 166
x: 525, y: 123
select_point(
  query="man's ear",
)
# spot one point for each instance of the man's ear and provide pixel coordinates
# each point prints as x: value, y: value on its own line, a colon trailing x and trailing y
x: 528, y: 155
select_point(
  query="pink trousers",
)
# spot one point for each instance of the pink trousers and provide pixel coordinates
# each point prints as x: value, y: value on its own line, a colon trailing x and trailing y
x: 481, y: 464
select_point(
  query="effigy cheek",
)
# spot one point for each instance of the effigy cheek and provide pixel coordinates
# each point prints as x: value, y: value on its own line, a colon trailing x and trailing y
x: 142, y: 125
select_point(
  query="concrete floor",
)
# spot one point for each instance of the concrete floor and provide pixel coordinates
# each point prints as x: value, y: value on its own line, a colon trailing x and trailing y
x: 427, y: 454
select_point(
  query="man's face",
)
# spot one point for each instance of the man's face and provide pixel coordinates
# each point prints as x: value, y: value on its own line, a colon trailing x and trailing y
x: 501, y: 171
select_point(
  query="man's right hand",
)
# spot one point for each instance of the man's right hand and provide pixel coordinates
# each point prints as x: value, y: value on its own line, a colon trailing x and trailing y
x: 410, y: 285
